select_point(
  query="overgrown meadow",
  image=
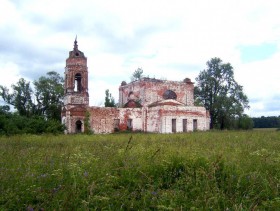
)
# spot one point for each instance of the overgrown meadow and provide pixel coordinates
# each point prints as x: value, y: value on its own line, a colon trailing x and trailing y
x: 194, y: 171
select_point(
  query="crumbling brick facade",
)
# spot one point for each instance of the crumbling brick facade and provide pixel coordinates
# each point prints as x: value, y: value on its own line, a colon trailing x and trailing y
x: 148, y: 91
x: 76, y: 98
x: 148, y: 105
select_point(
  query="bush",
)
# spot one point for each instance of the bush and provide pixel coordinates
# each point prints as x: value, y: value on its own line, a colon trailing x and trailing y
x: 12, y: 123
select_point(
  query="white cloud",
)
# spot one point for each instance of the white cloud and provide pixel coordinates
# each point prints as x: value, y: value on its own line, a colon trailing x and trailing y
x: 9, y: 74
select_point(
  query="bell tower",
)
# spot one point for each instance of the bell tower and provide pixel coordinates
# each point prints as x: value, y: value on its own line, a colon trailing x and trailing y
x: 76, y: 97
x: 76, y: 78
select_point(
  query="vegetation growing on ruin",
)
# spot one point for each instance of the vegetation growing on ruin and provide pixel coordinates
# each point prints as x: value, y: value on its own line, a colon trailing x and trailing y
x: 227, y: 170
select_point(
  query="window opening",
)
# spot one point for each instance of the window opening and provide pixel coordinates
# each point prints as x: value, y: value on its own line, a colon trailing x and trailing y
x: 195, y: 124
x: 185, y: 124
x: 173, y: 125
x: 169, y: 94
x: 129, y: 124
x: 116, y: 125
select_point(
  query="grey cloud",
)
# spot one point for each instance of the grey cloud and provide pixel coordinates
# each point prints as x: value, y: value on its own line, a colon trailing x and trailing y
x: 125, y: 44
x: 183, y: 66
x: 273, y: 104
x: 254, y: 100
x: 270, y: 105
x: 115, y: 44
x: 71, y: 23
x: 32, y: 60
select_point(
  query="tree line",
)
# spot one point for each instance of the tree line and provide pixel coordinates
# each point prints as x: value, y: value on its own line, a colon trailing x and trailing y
x: 37, y: 108
x: 266, y: 122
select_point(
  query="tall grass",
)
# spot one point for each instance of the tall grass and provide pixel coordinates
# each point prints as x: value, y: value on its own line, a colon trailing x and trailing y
x: 193, y: 171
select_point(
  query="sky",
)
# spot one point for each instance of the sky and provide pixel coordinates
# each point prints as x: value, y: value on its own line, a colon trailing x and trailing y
x: 168, y: 39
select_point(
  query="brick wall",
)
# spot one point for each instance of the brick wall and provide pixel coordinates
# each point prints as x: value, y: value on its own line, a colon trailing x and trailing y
x: 148, y: 91
x: 102, y: 118
x: 155, y: 119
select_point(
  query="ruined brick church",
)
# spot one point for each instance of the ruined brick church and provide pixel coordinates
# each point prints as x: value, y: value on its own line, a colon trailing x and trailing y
x: 147, y: 105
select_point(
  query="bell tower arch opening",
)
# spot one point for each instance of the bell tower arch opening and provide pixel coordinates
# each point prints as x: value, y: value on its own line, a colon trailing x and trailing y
x: 78, y: 82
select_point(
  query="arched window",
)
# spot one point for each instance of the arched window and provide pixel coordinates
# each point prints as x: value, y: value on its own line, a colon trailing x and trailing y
x: 78, y: 83
x: 169, y: 94
x: 79, y: 126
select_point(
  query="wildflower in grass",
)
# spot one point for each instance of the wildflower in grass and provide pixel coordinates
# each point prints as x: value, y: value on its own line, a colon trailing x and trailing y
x: 55, y: 190
x: 30, y: 208
x: 43, y: 175
x: 154, y: 193
x: 85, y: 174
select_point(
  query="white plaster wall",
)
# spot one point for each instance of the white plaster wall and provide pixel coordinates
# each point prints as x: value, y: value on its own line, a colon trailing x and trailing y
x: 179, y: 113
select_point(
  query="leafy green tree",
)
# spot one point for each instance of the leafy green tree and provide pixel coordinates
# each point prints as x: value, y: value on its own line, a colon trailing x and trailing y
x: 36, y: 112
x: 137, y: 75
x: 109, y: 100
x: 4, y: 109
x: 21, y: 98
x: 245, y: 122
x: 49, y: 95
x: 218, y: 91
x: 45, y: 101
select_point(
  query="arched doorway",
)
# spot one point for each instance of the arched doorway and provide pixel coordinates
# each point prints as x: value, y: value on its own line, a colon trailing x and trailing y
x: 79, y: 126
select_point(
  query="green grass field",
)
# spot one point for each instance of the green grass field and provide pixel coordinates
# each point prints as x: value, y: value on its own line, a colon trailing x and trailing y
x: 228, y: 170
